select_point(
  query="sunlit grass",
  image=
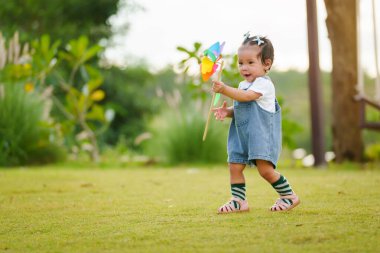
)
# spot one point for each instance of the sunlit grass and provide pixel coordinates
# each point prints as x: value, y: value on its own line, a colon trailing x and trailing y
x: 174, y: 210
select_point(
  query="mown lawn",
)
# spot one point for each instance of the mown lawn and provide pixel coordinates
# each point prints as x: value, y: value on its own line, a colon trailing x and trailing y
x: 174, y: 210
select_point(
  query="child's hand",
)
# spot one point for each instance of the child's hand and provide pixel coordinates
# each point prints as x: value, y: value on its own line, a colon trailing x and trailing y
x: 221, y: 112
x: 218, y: 87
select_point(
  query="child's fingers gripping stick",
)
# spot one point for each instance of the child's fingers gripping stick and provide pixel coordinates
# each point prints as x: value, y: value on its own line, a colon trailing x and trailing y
x: 217, y: 86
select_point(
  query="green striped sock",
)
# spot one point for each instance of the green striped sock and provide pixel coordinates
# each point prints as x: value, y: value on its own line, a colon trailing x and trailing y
x: 283, y: 187
x: 238, y: 191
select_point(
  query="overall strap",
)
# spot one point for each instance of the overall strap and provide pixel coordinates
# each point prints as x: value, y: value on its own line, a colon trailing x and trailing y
x: 265, y: 77
x: 248, y: 86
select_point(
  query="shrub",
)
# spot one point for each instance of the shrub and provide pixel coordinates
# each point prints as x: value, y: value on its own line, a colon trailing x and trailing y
x: 24, y: 138
x: 177, y: 138
x: 372, y: 152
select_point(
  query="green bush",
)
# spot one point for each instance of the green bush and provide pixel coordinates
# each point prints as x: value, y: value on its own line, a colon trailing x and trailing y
x: 177, y: 138
x: 133, y: 93
x: 372, y: 152
x: 129, y: 94
x: 24, y: 138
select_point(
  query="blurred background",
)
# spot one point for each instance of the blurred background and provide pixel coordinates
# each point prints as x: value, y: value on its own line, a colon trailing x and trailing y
x: 116, y: 82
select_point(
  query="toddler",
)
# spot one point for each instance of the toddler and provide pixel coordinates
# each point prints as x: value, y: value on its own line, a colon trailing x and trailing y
x: 255, y: 131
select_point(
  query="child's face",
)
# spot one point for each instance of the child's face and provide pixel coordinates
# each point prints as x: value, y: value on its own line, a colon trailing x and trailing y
x: 250, y: 65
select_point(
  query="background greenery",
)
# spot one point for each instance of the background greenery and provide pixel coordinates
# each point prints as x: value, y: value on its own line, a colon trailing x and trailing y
x: 25, y: 139
x: 63, y: 20
x: 97, y: 107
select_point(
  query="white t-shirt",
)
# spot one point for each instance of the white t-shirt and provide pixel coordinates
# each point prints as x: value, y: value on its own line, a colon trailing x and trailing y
x: 264, y: 86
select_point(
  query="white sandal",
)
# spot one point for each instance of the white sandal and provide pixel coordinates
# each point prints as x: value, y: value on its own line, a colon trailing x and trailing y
x: 229, y: 207
x: 285, y: 203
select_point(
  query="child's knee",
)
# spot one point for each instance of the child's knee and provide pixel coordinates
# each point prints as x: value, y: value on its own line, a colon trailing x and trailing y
x: 266, y: 170
x: 266, y: 173
x: 236, y: 167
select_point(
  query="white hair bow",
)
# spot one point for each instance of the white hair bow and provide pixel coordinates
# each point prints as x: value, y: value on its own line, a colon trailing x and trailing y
x: 258, y: 40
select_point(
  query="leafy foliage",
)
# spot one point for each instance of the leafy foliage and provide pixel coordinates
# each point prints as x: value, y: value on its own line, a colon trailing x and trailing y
x: 85, y: 117
x: 137, y: 95
x: 130, y: 93
x: 65, y: 78
x: 177, y: 138
x: 27, y: 133
x: 372, y: 152
x: 63, y: 20
x: 24, y: 136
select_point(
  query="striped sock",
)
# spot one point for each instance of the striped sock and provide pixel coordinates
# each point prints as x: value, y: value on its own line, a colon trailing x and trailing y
x: 238, y: 191
x: 283, y: 188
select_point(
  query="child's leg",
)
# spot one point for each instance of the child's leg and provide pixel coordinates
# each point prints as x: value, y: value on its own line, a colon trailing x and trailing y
x: 288, y: 199
x: 237, y: 181
x: 267, y: 171
x: 238, y: 201
x: 236, y: 173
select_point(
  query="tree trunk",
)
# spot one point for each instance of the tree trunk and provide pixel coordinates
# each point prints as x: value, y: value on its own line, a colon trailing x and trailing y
x: 341, y: 26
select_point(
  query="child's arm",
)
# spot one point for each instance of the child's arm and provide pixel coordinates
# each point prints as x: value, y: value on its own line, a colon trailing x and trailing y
x: 236, y: 94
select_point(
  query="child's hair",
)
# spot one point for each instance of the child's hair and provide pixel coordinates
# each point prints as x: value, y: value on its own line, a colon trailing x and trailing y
x: 267, y: 51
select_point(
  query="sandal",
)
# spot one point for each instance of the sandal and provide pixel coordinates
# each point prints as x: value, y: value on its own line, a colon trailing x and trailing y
x: 229, y: 207
x: 285, y: 203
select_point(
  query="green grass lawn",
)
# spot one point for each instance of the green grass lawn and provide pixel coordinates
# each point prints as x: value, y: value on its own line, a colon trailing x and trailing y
x: 174, y: 210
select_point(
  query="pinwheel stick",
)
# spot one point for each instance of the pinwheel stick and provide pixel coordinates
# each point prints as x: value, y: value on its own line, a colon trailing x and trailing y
x: 212, y: 103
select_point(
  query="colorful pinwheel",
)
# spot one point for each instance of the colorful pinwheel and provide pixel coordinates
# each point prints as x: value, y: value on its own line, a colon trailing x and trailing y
x: 210, y: 60
x: 209, y: 64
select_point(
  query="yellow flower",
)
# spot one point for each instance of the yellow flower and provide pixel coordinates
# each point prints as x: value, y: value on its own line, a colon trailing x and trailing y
x: 29, y: 87
x: 27, y: 66
x: 98, y: 95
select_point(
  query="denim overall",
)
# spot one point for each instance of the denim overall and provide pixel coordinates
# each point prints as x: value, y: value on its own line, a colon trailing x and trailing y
x: 254, y: 134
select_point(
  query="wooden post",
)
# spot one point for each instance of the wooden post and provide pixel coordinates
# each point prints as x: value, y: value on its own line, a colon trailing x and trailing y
x: 315, y: 88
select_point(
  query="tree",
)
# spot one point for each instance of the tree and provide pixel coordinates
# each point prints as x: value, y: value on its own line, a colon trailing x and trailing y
x: 341, y: 26
x: 61, y: 19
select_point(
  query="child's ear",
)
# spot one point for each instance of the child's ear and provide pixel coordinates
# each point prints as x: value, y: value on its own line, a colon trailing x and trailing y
x: 268, y: 63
